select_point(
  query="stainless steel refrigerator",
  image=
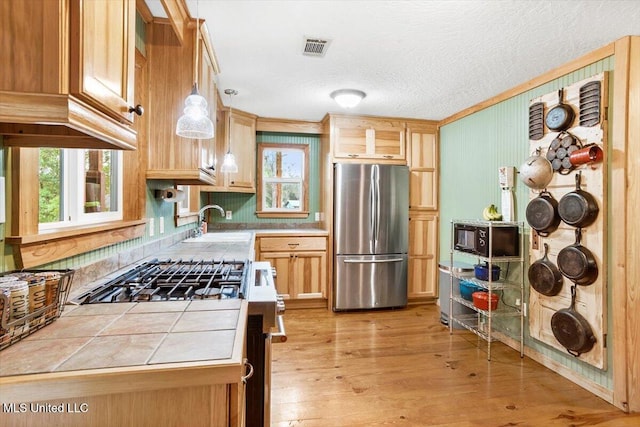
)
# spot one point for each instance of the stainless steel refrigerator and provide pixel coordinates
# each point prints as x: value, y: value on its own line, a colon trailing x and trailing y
x: 371, y: 220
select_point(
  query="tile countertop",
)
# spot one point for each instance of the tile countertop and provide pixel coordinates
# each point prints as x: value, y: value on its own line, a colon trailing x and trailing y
x: 127, y: 334
x: 101, y: 341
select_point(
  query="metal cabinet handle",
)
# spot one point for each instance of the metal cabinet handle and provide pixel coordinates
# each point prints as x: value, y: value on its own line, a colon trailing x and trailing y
x: 293, y: 245
x: 353, y: 155
x: 250, y: 373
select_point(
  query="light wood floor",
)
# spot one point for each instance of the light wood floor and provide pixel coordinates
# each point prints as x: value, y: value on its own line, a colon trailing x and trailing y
x: 402, y: 367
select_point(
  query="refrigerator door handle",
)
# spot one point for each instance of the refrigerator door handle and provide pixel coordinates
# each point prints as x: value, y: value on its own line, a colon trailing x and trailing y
x: 372, y: 209
x: 376, y: 211
x: 371, y: 261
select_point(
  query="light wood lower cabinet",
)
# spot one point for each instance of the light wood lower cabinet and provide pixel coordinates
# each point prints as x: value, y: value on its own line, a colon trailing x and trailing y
x: 423, y: 267
x: 301, y: 266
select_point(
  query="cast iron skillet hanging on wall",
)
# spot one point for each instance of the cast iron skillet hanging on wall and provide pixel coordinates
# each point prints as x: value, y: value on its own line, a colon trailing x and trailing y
x: 542, y: 214
x: 578, y: 208
x: 561, y: 116
x: 578, y: 263
x: 544, y: 276
x: 571, y: 329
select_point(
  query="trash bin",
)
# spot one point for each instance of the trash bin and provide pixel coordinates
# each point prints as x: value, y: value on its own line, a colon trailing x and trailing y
x: 461, y: 269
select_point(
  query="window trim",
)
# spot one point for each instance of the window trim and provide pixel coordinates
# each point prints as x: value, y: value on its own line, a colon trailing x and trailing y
x: 31, y: 247
x: 74, y: 186
x: 304, y: 209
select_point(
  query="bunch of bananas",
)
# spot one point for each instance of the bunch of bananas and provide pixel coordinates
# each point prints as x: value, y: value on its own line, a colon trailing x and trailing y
x: 490, y: 213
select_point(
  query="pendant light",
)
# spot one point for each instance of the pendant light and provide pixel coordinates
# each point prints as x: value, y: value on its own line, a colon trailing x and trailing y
x: 229, y: 163
x: 195, y: 122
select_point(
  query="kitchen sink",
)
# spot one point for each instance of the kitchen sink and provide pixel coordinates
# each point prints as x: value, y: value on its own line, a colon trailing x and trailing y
x: 221, y: 237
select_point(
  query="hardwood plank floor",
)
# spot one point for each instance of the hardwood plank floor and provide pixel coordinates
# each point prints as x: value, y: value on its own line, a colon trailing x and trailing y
x: 402, y: 367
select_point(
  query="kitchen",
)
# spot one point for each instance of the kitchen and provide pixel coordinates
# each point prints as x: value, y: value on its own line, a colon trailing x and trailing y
x: 103, y: 250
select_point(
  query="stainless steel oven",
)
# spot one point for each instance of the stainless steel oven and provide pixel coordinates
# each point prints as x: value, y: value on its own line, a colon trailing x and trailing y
x: 265, y: 327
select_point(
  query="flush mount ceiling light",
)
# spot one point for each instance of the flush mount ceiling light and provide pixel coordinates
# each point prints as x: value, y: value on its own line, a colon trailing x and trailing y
x: 229, y: 162
x: 348, y: 98
x: 195, y: 122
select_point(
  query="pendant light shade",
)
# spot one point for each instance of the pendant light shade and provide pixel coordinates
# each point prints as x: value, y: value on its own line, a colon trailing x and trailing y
x: 229, y: 162
x: 348, y: 98
x: 195, y: 122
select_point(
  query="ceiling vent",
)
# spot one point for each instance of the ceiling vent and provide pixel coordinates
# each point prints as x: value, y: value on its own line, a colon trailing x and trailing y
x: 314, y: 46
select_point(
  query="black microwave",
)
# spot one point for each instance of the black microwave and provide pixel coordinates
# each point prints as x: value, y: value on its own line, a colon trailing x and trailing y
x: 474, y: 239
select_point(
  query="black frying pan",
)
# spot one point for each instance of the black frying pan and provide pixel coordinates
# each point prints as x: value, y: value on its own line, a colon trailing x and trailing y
x: 578, y: 208
x: 542, y: 214
x: 578, y: 263
x: 544, y: 276
x: 571, y: 329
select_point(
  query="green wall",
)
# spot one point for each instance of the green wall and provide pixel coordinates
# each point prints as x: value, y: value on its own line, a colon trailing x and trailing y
x: 244, y: 205
x: 472, y: 149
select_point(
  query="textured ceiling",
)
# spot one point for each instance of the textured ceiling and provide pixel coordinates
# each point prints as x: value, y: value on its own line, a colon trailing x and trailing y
x: 414, y: 59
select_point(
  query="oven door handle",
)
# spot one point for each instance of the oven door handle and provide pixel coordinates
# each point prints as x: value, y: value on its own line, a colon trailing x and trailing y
x: 281, y: 335
x: 244, y: 378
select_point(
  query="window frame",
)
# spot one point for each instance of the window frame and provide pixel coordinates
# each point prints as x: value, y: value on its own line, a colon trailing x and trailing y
x: 73, y: 177
x: 32, y: 247
x: 303, y: 212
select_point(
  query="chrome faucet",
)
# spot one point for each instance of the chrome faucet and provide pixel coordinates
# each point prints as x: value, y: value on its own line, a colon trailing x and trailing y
x: 199, y: 230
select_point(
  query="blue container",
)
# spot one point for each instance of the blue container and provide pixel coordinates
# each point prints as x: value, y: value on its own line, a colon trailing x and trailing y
x: 482, y: 272
x: 468, y: 288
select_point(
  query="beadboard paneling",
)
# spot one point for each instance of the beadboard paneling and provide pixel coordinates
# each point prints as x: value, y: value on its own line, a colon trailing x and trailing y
x: 471, y: 150
x: 243, y: 205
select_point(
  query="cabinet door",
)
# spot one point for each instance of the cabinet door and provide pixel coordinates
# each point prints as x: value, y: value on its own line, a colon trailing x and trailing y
x: 243, y: 145
x: 103, y: 54
x: 281, y: 262
x: 207, y: 88
x: 308, y: 275
x: 387, y: 142
x: 423, y: 240
x: 423, y: 160
x: 350, y: 143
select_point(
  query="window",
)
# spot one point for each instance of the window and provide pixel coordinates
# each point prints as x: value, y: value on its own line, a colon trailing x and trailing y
x: 283, y: 175
x: 79, y: 186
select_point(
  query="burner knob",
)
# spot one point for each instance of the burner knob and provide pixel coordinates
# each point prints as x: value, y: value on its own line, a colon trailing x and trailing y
x: 280, y: 304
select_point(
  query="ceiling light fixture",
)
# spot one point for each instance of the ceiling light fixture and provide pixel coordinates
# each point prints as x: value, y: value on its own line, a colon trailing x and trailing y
x: 229, y: 162
x: 195, y: 122
x: 348, y: 98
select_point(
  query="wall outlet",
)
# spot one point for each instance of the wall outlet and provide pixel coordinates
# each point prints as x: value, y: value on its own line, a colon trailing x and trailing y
x: 228, y: 215
x: 161, y: 225
x: 317, y: 216
x: 152, y: 226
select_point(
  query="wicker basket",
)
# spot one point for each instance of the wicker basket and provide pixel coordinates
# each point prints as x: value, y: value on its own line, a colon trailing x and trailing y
x: 57, y: 284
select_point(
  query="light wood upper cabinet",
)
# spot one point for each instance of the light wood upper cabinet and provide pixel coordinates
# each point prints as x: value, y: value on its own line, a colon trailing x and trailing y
x: 422, y: 146
x: 374, y: 139
x: 241, y: 128
x: 68, y: 73
x: 103, y: 54
x: 172, y: 72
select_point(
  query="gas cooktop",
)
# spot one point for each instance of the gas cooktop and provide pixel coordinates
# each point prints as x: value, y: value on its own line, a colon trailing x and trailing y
x: 171, y: 280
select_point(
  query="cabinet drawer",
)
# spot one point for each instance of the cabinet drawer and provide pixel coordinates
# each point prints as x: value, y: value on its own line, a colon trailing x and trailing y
x: 289, y: 244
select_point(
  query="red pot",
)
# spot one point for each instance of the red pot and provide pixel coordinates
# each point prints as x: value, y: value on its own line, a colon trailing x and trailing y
x: 481, y: 300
